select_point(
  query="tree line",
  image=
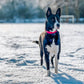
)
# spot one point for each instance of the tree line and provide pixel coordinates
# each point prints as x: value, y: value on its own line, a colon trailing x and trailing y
x: 24, y: 9
x: 28, y: 9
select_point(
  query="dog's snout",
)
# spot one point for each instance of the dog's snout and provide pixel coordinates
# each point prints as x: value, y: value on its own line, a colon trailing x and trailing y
x: 58, y: 25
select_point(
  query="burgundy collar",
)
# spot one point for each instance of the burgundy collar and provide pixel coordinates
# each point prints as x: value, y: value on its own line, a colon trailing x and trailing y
x: 49, y: 32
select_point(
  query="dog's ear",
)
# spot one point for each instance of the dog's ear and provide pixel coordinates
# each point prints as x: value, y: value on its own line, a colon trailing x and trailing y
x: 49, y: 12
x: 58, y: 12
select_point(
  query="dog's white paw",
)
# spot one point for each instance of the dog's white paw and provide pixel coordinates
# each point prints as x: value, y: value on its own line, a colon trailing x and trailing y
x: 48, y: 73
x: 52, y: 66
x: 56, y: 70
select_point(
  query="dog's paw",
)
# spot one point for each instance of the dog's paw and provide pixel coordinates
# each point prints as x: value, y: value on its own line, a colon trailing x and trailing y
x: 52, y: 66
x: 56, y: 71
x: 48, y: 73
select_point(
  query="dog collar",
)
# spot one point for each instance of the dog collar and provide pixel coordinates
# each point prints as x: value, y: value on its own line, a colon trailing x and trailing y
x: 48, y: 32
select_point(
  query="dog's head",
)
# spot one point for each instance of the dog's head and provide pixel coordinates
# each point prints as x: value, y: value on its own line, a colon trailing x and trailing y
x: 53, y: 20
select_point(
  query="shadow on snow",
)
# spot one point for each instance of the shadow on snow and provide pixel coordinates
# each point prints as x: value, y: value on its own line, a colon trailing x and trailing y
x: 63, y: 78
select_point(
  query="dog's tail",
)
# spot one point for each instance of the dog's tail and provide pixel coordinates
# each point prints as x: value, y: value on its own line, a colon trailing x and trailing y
x: 37, y: 42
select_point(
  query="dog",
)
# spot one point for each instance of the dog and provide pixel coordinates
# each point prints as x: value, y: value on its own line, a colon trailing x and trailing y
x: 49, y: 40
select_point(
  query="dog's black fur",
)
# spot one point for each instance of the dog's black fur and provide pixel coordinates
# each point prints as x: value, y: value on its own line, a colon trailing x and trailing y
x: 46, y: 40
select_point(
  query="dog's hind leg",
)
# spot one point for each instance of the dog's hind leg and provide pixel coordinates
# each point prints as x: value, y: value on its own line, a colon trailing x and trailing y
x: 52, y: 61
x: 41, y: 51
x: 41, y: 54
x: 58, y: 55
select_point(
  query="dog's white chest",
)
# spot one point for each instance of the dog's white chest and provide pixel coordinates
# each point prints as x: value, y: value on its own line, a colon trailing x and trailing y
x: 52, y: 49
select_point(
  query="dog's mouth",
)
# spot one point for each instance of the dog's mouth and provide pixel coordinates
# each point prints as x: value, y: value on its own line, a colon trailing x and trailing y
x: 58, y: 27
x: 53, y: 29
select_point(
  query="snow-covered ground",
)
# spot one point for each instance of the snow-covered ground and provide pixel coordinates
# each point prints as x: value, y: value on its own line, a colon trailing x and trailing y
x: 20, y: 59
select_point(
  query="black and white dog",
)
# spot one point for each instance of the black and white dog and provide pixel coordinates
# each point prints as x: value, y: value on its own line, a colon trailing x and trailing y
x: 49, y: 41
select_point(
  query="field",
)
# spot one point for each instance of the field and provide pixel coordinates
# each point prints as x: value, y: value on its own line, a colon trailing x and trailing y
x: 20, y: 59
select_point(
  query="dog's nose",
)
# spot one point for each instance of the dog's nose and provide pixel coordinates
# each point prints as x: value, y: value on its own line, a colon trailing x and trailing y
x: 58, y: 25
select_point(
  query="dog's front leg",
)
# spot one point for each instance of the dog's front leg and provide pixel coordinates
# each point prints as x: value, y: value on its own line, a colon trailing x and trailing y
x: 47, y: 61
x: 56, y: 59
x: 57, y: 55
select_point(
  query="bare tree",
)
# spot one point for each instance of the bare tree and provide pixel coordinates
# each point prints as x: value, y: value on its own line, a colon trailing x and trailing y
x: 77, y: 10
x: 54, y: 4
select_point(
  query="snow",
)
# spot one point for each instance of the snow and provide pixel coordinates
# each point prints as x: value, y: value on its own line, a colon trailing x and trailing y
x: 20, y: 59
